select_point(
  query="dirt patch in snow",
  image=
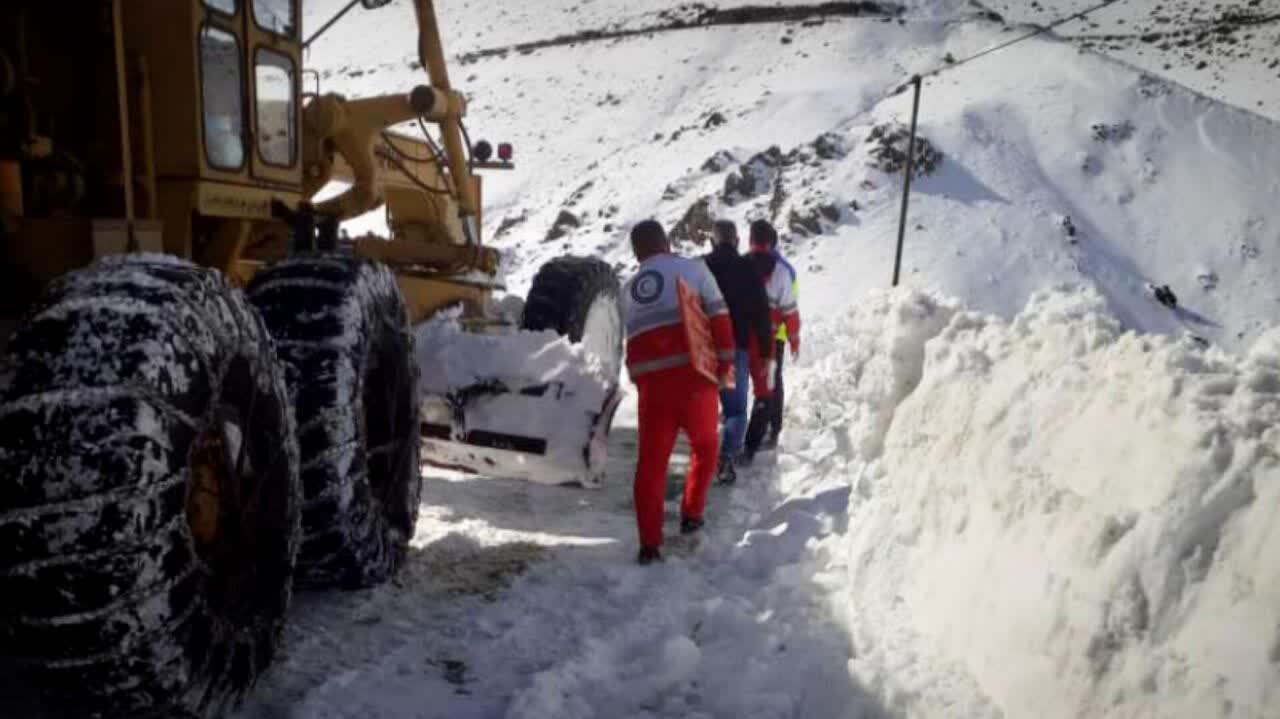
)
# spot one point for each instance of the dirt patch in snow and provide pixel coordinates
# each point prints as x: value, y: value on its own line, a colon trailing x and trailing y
x: 782, y: 186
x: 753, y: 178
x: 1113, y: 132
x: 1212, y: 41
x: 699, y: 15
x: 815, y: 220
x: 719, y: 162
x: 1197, y: 27
x: 565, y: 223
x: 889, y: 151
x: 459, y: 566
x: 509, y: 223
x: 696, y: 225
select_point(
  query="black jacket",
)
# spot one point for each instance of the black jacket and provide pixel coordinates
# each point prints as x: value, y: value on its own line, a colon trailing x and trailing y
x: 763, y: 264
x: 744, y: 293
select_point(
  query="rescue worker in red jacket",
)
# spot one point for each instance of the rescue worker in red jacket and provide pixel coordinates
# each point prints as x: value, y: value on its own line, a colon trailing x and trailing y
x: 766, y: 378
x: 673, y: 395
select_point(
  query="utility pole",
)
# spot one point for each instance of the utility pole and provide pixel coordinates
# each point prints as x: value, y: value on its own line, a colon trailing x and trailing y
x: 906, y: 183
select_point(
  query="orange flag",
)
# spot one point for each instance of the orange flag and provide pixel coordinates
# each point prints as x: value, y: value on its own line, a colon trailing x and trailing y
x: 697, y: 332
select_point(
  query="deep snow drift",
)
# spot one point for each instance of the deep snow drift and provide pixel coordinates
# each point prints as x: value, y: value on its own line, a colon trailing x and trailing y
x: 992, y: 498
x: 1051, y: 517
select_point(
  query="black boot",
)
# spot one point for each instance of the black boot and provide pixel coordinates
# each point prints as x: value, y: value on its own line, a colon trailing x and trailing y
x: 648, y: 555
x: 757, y: 428
x: 689, y: 525
x: 726, y: 474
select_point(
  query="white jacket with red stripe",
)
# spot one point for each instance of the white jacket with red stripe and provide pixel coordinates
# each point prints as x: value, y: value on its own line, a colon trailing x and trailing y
x: 651, y: 310
x: 784, y: 310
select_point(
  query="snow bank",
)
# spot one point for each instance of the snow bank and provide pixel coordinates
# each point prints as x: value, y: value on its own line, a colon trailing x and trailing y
x: 450, y: 359
x: 884, y: 363
x: 1052, y: 517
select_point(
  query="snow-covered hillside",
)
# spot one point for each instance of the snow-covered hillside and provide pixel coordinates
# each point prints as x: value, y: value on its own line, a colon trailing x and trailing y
x: 1016, y: 486
x: 1159, y: 185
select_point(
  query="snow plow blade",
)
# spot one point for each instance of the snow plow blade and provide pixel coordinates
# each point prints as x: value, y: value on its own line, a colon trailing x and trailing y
x: 541, y: 433
x: 531, y: 399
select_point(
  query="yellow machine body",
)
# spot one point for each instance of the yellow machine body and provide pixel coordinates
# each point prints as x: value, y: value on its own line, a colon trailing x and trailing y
x: 176, y: 126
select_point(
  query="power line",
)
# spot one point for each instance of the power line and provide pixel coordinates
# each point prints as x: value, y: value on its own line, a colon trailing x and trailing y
x: 916, y: 82
x: 1039, y: 30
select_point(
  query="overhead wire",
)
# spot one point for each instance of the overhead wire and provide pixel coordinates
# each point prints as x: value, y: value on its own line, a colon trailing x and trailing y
x: 1037, y: 31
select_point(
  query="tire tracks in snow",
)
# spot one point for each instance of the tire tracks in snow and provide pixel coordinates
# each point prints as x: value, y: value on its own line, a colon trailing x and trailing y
x: 739, y: 624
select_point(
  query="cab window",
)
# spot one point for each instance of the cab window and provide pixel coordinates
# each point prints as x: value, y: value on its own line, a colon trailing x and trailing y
x: 221, y: 83
x: 226, y: 6
x: 274, y: 80
x: 276, y: 16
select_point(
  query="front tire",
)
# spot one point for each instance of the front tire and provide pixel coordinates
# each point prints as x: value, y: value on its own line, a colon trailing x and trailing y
x: 577, y: 297
x: 342, y: 332
x: 149, y: 514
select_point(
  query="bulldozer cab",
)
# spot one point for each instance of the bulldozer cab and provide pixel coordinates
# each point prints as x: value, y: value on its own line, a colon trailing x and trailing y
x: 182, y: 126
x: 248, y: 54
x: 248, y: 59
x: 230, y: 139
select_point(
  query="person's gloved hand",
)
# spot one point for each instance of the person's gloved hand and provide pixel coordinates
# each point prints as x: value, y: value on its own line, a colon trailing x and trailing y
x: 795, y: 349
x: 727, y: 380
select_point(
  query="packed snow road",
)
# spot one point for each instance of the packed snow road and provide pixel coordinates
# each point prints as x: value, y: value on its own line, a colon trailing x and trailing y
x: 523, y: 600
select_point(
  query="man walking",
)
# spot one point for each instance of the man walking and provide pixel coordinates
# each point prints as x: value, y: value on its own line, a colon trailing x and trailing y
x: 752, y: 333
x: 766, y: 379
x: 673, y: 394
x: 781, y: 341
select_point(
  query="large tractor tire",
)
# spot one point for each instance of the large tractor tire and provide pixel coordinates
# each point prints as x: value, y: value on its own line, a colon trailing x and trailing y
x: 149, y: 498
x: 578, y: 297
x: 342, y: 332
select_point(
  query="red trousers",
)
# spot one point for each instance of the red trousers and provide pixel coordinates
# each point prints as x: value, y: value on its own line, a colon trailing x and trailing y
x: 670, y: 401
x: 762, y: 372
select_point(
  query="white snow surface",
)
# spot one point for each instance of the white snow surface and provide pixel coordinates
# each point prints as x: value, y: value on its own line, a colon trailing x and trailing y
x: 450, y: 358
x: 1015, y: 486
x: 1064, y: 519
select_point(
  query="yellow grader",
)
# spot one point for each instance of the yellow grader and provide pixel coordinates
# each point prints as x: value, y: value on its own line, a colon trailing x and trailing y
x: 207, y: 396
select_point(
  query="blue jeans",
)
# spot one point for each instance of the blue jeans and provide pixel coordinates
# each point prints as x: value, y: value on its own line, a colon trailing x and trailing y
x: 733, y: 404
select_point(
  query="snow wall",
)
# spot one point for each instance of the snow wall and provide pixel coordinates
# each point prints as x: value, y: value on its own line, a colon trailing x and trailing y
x: 1067, y: 519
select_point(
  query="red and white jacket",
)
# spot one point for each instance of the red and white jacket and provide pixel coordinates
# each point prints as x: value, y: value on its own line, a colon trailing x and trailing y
x: 784, y: 309
x: 651, y: 309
